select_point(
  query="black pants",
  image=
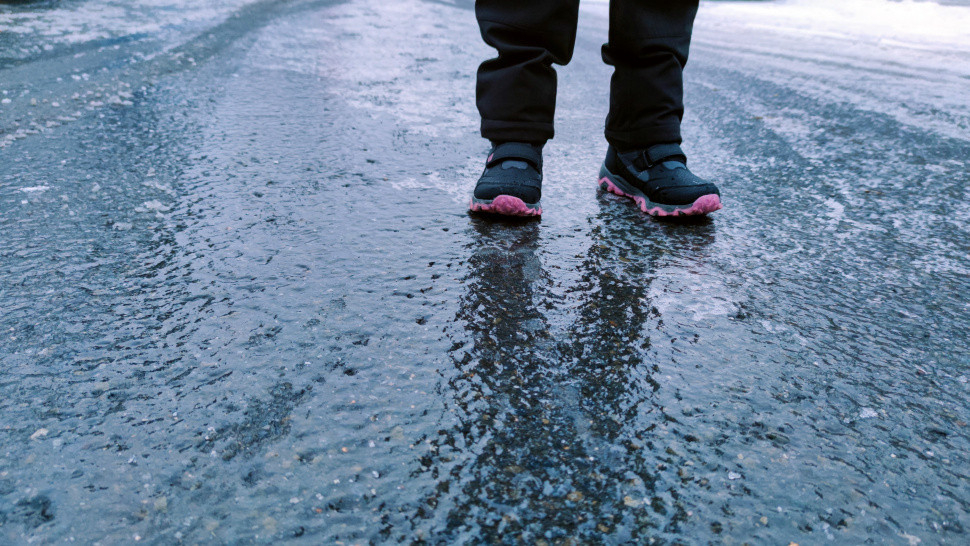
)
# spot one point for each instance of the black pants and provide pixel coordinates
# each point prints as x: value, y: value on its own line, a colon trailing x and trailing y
x: 648, y: 45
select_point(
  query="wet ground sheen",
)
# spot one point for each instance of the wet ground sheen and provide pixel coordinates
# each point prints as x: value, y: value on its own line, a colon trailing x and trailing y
x: 242, y: 301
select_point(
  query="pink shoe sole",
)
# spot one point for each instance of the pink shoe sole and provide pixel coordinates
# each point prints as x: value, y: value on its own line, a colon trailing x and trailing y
x: 704, y: 204
x: 505, y: 205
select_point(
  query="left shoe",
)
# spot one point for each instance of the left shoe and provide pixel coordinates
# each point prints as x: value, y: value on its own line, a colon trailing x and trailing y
x: 658, y: 180
x: 511, y: 184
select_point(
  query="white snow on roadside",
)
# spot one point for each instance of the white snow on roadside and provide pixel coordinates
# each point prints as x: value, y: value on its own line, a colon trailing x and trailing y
x: 893, y: 23
x: 907, y: 60
x: 387, y: 60
x: 94, y: 20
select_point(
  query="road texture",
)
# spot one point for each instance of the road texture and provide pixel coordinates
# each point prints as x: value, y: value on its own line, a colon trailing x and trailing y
x: 242, y: 301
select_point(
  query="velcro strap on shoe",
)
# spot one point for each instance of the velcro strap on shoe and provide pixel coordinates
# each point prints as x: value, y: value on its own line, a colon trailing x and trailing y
x: 656, y: 154
x: 515, y: 150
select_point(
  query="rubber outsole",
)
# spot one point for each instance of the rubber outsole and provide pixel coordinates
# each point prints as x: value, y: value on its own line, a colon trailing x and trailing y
x: 505, y: 205
x: 704, y: 204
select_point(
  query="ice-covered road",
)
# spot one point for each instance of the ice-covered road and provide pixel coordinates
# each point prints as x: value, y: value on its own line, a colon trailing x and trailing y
x: 242, y: 301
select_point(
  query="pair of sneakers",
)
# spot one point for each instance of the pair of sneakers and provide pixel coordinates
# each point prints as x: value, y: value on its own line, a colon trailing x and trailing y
x: 656, y: 178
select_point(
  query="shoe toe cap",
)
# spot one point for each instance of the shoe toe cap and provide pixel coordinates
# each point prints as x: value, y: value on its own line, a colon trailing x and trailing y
x: 523, y: 186
x: 683, y: 187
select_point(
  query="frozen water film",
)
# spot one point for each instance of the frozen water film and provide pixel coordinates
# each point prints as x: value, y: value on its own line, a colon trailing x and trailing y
x: 242, y: 300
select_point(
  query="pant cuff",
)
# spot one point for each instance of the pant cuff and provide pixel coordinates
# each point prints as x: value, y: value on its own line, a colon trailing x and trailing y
x: 516, y: 131
x: 644, y: 137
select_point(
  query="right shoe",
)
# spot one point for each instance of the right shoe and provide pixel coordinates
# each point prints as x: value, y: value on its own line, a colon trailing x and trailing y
x: 658, y: 180
x: 511, y: 184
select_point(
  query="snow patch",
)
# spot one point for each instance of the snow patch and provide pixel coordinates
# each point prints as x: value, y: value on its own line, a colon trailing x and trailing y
x: 153, y: 205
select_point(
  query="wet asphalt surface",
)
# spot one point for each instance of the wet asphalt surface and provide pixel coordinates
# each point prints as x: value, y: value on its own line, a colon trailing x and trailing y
x: 242, y: 301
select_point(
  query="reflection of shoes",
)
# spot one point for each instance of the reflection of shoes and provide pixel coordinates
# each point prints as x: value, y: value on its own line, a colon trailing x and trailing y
x: 658, y: 180
x: 512, y: 181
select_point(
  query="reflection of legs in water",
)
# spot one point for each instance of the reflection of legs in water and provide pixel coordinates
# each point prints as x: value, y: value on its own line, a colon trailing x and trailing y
x: 507, y: 441
x: 612, y: 375
x: 555, y: 436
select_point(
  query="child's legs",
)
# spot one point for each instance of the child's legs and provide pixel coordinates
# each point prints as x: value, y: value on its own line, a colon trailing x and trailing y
x: 648, y: 46
x: 517, y: 90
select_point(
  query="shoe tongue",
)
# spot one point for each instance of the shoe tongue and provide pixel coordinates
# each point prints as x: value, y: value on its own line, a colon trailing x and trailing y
x: 520, y: 152
x: 674, y: 163
x: 663, y: 153
x: 671, y: 158
x: 515, y: 164
x: 641, y: 160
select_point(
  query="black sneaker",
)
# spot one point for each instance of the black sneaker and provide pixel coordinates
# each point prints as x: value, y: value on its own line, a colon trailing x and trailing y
x: 658, y: 180
x: 512, y: 181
